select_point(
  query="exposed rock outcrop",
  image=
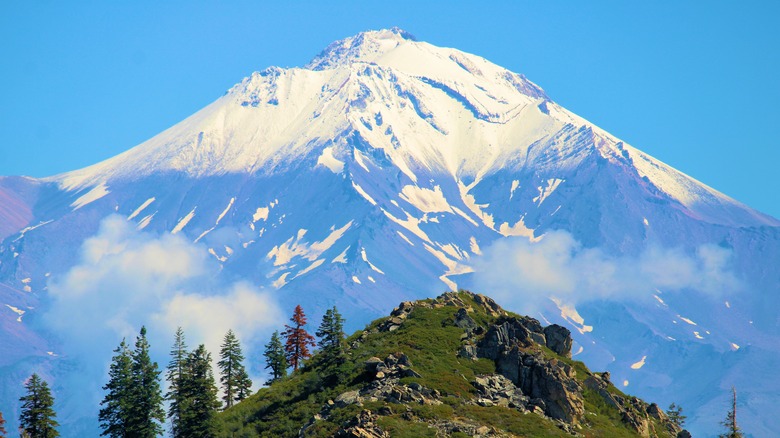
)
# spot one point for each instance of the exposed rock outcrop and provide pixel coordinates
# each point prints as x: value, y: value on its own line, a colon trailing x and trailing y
x: 534, y: 376
x: 362, y: 425
x: 497, y: 390
x: 558, y: 339
x: 384, y: 385
x: 635, y: 413
x: 552, y: 382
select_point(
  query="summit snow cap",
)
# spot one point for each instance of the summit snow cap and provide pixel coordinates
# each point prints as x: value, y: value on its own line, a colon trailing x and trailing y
x: 364, y: 46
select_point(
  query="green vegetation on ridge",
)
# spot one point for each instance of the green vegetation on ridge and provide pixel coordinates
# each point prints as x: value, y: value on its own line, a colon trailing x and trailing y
x: 430, y: 338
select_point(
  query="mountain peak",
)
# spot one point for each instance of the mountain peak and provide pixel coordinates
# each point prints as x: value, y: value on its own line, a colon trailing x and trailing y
x: 365, y: 46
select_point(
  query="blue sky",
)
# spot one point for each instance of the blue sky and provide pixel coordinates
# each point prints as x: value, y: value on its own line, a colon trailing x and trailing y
x: 693, y: 83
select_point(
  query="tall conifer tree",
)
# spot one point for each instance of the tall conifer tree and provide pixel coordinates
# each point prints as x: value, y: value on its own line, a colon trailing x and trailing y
x: 199, y: 396
x: 275, y: 359
x: 146, y: 408
x: 730, y: 423
x: 298, y: 340
x: 37, y: 416
x: 234, y: 378
x: 331, y: 334
x: 176, y: 374
x: 115, y: 410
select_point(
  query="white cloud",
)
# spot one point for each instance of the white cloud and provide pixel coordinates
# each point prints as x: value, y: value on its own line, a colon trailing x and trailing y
x: 125, y: 278
x: 524, y: 273
x: 244, y: 309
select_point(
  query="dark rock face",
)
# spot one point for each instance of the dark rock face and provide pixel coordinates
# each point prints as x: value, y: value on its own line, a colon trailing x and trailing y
x: 492, y: 308
x: 513, y: 331
x: 362, y: 425
x: 497, y: 390
x: 550, y: 381
x: 558, y: 339
x: 463, y: 320
x: 634, y: 411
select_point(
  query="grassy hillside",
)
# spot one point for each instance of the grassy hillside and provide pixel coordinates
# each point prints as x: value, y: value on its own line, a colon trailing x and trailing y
x: 427, y: 386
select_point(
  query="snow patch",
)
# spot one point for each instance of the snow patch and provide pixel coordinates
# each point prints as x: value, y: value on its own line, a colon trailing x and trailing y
x: 225, y: 211
x: 687, y: 320
x: 474, y: 246
x: 471, y: 203
x: 145, y: 221
x: 281, y: 281
x: 23, y: 231
x: 640, y: 364
x: 426, y: 200
x: 405, y: 238
x: 327, y: 159
x: 515, y: 185
x: 214, y: 253
x: 360, y: 160
x: 355, y: 279
x: 365, y: 259
x: 341, y: 258
x: 311, y: 267
x: 96, y: 193
x: 219, y: 218
x: 16, y: 310
x: 570, y: 313
x: 450, y: 284
x: 545, y: 191
x: 518, y: 229
x: 697, y: 335
x: 734, y: 346
x: 296, y: 247
x: 411, y: 224
x: 140, y: 208
x: 363, y: 193
x: 184, y: 221
x: 261, y: 213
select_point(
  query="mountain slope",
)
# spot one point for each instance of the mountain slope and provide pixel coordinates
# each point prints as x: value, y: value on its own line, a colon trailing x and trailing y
x: 389, y: 169
x: 456, y: 365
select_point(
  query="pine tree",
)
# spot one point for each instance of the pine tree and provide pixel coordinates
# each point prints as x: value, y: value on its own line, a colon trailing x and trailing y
x: 2, y: 426
x: 37, y: 416
x: 298, y: 340
x: 114, y: 414
x: 199, y: 403
x: 275, y: 358
x: 675, y: 415
x: 235, y: 380
x: 331, y: 334
x: 146, y: 401
x: 175, y: 375
x: 730, y: 423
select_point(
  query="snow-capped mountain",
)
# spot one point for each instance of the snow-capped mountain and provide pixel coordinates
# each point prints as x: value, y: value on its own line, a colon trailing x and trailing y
x: 390, y: 169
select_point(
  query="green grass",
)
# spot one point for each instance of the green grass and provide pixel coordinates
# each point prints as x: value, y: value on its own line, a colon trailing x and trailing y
x: 512, y: 421
x: 430, y: 340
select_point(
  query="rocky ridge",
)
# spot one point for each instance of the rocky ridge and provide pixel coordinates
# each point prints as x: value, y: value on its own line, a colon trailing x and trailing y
x: 521, y: 372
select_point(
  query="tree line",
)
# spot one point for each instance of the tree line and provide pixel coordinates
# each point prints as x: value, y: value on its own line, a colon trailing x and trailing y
x: 133, y: 405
